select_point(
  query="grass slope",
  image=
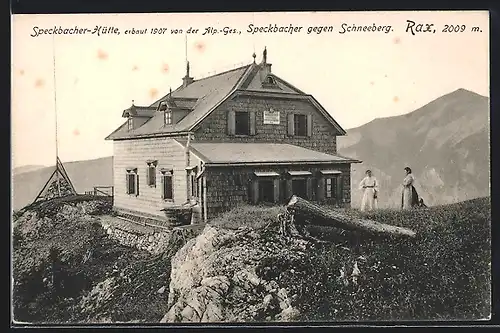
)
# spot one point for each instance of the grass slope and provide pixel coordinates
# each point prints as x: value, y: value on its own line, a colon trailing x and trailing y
x: 443, y: 274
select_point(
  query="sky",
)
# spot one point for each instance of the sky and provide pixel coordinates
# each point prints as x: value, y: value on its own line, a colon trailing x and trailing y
x: 356, y: 76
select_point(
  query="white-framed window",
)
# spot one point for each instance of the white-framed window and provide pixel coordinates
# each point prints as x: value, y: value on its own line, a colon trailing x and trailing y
x: 330, y: 187
x: 168, y: 117
x: 167, y: 184
x: 130, y: 123
x: 151, y: 174
x: 132, y: 181
x: 194, y: 185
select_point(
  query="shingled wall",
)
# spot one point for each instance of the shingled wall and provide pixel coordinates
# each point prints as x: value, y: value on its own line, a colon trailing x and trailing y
x: 323, y: 139
x: 228, y: 187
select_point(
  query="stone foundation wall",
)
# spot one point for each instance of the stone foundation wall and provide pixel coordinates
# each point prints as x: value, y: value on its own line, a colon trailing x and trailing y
x: 153, y: 240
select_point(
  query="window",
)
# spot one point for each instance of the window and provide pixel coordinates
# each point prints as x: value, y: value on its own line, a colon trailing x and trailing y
x: 270, y: 82
x: 168, y: 117
x: 132, y: 182
x: 242, y: 123
x: 194, y: 185
x: 151, y: 173
x: 130, y: 123
x: 266, y: 190
x: 167, y: 185
x: 299, y: 188
x: 300, y: 124
x: 163, y: 106
x: 192, y: 171
x: 265, y: 187
x: 330, y: 187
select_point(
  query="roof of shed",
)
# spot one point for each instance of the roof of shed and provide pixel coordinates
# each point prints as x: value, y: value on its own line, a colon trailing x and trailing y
x: 269, y: 153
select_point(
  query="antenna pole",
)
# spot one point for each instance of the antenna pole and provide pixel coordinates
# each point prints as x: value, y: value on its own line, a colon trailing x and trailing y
x: 55, y: 112
x: 186, y: 47
x: 253, y: 37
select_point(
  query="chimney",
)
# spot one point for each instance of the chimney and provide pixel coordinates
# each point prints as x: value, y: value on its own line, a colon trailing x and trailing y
x: 265, y: 66
x: 187, y: 80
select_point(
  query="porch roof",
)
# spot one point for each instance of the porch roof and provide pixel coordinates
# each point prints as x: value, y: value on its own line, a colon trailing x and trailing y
x: 262, y: 153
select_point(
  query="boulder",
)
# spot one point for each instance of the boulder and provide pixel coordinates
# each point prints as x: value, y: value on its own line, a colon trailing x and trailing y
x: 214, y: 278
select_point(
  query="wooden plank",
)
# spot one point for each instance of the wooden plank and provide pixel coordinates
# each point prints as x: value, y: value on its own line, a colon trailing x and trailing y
x: 291, y: 125
x: 309, y: 125
x: 253, y: 130
x: 231, y: 119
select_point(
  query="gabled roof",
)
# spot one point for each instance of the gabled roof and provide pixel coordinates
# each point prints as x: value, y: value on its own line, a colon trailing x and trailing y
x: 139, y: 111
x: 213, y: 153
x: 205, y: 95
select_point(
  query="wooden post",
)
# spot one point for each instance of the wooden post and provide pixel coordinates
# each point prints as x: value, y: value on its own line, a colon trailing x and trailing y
x: 320, y: 188
x: 255, y: 191
x: 276, y: 189
x: 205, y: 205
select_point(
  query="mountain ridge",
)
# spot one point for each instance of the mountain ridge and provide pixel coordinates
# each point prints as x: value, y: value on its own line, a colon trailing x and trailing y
x: 445, y: 142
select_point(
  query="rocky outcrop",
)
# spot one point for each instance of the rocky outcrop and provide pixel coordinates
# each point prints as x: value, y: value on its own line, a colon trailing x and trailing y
x: 234, y: 276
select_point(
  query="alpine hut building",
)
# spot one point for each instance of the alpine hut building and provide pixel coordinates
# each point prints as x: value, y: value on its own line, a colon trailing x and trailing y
x: 244, y: 136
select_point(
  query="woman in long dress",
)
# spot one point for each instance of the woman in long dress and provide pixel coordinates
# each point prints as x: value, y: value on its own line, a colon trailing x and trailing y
x: 369, y: 185
x: 408, y: 194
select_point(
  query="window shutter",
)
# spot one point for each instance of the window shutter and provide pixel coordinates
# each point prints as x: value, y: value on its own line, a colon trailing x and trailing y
x: 168, y: 187
x: 127, y: 183
x: 255, y: 191
x: 291, y: 124
x: 163, y: 186
x: 276, y: 184
x: 230, y: 122
x: 136, y: 184
x: 309, y: 125
x: 320, y: 189
x: 252, y: 123
x: 309, y: 188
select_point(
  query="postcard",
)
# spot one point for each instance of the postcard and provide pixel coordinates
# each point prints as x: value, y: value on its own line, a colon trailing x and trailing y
x: 261, y: 167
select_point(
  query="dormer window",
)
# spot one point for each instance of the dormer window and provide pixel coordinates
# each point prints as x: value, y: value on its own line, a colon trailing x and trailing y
x: 130, y: 123
x: 168, y: 117
x: 270, y: 82
x: 163, y: 106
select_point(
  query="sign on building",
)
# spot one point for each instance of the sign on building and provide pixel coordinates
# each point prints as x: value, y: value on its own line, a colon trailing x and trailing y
x: 272, y: 117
